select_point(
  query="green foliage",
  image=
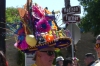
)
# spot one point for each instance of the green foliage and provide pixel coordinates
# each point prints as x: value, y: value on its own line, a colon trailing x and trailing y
x: 91, y: 21
x: 57, y: 53
x: 12, y: 15
x: 21, y: 58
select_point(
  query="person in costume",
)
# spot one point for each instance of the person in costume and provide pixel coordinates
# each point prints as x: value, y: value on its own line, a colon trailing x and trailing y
x: 38, y: 33
x: 44, y: 57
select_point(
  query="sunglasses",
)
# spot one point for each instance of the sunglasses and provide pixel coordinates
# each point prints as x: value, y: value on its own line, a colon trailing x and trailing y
x: 97, y: 45
x: 49, y: 53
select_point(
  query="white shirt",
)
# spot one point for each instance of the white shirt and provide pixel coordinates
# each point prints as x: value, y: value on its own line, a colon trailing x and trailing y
x: 93, y: 64
x: 97, y: 63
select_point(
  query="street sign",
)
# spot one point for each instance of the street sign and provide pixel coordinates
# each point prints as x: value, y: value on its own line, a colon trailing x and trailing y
x: 71, y: 18
x: 71, y: 10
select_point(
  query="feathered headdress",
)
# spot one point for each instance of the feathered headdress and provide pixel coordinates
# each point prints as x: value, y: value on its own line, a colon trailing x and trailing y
x: 38, y: 29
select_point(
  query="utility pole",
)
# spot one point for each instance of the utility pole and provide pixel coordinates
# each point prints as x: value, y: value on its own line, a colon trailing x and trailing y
x: 2, y: 25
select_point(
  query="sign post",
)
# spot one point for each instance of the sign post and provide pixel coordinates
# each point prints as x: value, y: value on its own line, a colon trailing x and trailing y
x: 68, y: 17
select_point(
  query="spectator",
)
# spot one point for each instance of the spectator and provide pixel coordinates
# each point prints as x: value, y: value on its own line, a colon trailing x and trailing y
x: 71, y: 62
x: 89, y: 59
x: 59, y: 61
x: 97, y: 49
x: 67, y: 62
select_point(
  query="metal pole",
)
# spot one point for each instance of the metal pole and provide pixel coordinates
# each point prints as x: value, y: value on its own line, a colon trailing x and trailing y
x: 72, y: 32
x: 67, y: 4
x: 2, y: 31
x: 25, y: 58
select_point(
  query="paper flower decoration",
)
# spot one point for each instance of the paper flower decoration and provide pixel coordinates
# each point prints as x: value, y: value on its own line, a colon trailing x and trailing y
x: 43, y: 25
x: 38, y: 11
x: 23, y: 45
x: 49, y: 38
x: 20, y: 30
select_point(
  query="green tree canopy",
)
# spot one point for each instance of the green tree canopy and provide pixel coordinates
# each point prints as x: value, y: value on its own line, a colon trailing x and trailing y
x: 91, y: 21
x: 12, y: 15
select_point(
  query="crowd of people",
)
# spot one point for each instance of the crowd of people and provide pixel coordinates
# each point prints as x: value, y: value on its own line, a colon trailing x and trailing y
x: 60, y: 61
x: 46, y: 56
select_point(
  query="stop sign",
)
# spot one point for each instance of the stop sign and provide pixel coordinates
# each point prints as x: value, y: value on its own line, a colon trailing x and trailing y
x: 75, y: 32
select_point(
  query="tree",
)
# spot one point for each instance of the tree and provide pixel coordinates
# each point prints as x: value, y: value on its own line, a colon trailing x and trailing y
x: 91, y: 21
x: 12, y: 15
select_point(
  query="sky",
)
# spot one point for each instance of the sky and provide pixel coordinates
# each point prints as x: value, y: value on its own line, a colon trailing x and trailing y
x: 51, y: 4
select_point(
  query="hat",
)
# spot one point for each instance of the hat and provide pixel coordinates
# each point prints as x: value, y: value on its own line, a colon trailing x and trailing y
x: 98, y: 37
x: 38, y: 29
x: 90, y: 55
x: 59, y: 58
x: 67, y: 61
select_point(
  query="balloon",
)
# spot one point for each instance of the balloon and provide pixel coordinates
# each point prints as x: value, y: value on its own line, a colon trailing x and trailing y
x: 30, y: 40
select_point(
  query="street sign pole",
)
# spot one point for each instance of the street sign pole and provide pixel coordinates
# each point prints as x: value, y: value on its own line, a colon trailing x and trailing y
x: 72, y: 32
x: 69, y: 17
x: 67, y: 4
